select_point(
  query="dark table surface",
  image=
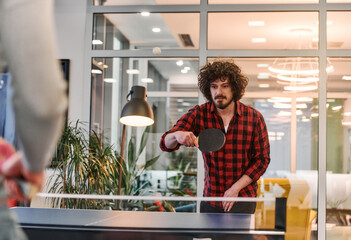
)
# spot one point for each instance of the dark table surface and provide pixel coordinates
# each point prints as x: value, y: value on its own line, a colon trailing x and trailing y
x: 40, y: 223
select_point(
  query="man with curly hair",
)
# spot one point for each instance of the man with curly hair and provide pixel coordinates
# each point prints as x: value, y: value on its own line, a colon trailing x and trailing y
x: 233, y: 170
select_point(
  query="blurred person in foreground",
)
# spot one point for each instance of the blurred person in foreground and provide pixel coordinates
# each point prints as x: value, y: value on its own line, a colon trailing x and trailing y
x: 233, y: 170
x: 28, y: 50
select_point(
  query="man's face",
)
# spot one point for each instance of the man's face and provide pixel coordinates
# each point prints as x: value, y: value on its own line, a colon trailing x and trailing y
x: 221, y: 93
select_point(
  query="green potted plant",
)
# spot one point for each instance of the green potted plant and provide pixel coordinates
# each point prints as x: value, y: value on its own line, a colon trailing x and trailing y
x: 85, y: 164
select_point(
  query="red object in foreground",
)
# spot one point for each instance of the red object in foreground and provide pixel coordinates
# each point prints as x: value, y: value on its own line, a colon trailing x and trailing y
x: 11, y: 202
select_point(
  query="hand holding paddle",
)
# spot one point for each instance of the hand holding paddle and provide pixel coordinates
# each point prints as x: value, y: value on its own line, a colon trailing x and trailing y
x: 211, y: 140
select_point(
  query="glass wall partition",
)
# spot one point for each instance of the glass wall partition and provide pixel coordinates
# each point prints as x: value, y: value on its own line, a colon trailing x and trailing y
x: 171, y: 85
x: 280, y: 50
x: 338, y: 150
x: 146, y: 31
x: 284, y: 90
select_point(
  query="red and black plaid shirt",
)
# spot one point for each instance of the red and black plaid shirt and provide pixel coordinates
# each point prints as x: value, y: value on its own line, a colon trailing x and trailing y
x: 246, y: 150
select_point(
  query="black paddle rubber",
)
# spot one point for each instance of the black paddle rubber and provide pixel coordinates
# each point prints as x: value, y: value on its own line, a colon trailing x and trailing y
x: 211, y: 140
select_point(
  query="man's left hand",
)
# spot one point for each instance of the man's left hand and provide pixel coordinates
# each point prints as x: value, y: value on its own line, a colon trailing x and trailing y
x: 231, y: 192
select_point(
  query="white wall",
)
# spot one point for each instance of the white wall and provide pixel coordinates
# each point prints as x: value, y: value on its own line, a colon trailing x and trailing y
x: 70, y: 20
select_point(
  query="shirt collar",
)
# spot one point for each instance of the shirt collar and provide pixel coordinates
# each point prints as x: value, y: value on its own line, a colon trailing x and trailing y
x: 238, y: 109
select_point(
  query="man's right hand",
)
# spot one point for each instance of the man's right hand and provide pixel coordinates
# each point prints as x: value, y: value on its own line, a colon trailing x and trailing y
x: 187, y: 139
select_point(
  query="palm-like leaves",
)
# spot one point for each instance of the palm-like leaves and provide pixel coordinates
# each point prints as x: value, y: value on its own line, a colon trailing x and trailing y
x: 84, y: 164
x: 132, y: 172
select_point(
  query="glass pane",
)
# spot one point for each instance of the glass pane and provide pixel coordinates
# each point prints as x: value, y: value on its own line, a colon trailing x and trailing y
x: 173, y: 173
x: 140, y: 31
x: 261, y: 1
x: 274, y: 90
x: 144, y: 2
x: 263, y: 30
x: 337, y: 30
x: 338, y: 149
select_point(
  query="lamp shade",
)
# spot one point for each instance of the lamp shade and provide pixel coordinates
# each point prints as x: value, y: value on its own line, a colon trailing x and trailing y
x: 137, y: 112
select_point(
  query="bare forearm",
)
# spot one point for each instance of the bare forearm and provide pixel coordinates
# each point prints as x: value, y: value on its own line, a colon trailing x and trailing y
x: 185, y: 138
x: 241, y: 183
x: 171, y: 141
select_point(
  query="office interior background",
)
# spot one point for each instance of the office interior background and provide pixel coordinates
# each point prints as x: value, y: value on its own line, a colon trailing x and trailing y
x: 295, y: 53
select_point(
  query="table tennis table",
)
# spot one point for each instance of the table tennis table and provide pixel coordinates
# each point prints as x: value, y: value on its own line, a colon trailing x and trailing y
x: 45, y: 223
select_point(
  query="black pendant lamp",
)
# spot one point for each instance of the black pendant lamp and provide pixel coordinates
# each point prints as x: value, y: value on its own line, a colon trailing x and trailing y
x: 137, y: 112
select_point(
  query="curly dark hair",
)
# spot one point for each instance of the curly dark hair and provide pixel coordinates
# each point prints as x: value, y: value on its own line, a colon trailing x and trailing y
x: 221, y: 70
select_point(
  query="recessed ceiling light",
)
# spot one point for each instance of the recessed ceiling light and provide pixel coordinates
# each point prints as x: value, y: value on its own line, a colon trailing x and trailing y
x: 347, y: 78
x: 258, y: 40
x: 256, y: 23
x: 262, y: 65
x: 314, y: 115
x: 187, y: 68
x: 180, y: 63
x: 263, y: 85
x: 263, y: 75
x: 145, y: 14
x: 184, y: 71
x: 156, y: 29
x: 97, y: 42
x: 132, y: 71
x: 96, y: 71
x: 147, y: 80
x: 186, y: 104
x: 335, y: 108
x: 180, y: 100
x: 110, y: 80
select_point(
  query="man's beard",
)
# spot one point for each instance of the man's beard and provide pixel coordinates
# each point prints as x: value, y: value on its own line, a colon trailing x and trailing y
x: 222, y: 105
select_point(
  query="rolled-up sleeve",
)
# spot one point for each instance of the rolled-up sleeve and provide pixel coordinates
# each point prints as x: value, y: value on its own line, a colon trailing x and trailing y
x: 185, y: 123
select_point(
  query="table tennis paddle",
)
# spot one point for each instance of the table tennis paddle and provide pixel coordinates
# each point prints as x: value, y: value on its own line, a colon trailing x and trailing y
x: 211, y: 140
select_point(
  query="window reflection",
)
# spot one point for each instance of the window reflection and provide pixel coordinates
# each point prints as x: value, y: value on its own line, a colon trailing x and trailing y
x: 337, y: 37
x: 146, y: 31
x: 263, y: 30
